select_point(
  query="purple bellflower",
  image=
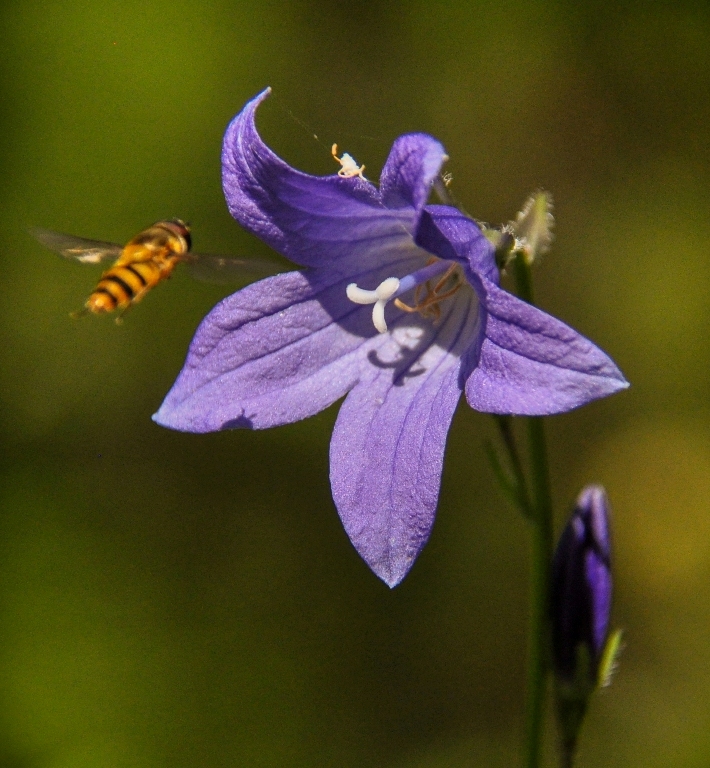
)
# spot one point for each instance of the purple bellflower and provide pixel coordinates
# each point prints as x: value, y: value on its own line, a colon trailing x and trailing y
x: 399, y: 308
x: 581, y: 592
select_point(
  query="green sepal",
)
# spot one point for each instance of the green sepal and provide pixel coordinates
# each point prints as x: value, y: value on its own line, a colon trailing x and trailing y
x: 610, y: 659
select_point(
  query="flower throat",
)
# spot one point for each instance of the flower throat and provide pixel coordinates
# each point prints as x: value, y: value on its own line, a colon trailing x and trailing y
x: 427, y: 299
x: 428, y: 294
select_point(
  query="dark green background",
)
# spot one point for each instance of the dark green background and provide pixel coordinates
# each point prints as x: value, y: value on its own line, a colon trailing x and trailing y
x: 178, y: 600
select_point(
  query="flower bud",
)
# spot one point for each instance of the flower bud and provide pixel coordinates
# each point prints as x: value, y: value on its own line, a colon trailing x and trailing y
x: 533, y: 226
x: 580, y: 604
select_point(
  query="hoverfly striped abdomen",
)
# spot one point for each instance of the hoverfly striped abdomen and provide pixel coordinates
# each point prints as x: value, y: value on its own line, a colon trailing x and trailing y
x: 122, y: 285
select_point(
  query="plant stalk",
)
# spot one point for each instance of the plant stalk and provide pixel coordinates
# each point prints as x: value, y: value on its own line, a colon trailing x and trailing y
x: 541, y: 561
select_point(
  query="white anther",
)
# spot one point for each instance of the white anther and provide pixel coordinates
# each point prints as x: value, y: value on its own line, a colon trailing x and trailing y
x: 379, y: 297
x: 348, y: 166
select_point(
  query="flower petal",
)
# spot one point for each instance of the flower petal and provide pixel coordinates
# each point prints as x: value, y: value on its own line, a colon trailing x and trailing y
x: 450, y: 235
x: 413, y: 163
x: 524, y: 361
x: 312, y: 220
x: 529, y: 363
x: 270, y: 354
x: 388, y: 444
x: 275, y: 352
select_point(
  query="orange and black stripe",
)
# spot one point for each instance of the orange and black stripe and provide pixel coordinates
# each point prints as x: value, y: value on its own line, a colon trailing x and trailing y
x: 121, y: 285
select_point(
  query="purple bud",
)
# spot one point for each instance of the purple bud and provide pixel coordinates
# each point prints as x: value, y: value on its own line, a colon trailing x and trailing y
x: 581, y: 591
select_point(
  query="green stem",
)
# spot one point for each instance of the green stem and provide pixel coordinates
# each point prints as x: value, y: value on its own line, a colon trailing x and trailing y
x: 539, y: 632
x: 520, y: 490
x: 541, y: 559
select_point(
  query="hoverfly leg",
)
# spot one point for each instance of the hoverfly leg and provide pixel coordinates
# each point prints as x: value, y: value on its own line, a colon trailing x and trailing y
x: 121, y: 315
x: 79, y: 313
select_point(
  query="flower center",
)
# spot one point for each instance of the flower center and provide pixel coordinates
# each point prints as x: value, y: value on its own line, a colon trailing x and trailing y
x: 427, y: 293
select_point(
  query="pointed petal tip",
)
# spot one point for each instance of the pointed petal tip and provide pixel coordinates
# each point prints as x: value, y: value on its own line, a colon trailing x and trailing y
x: 532, y: 364
x: 162, y: 418
x: 198, y: 423
x: 613, y: 382
x: 392, y: 568
x: 173, y: 416
x: 262, y: 95
x: 620, y: 386
x: 613, y: 373
x: 391, y: 576
x: 247, y: 111
x: 391, y: 565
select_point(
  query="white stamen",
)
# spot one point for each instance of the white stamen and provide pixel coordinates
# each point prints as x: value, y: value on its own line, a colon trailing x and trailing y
x: 348, y: 165
x: 379, y: 297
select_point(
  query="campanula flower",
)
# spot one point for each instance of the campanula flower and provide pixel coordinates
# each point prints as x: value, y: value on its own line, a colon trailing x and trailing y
x: 398, y: 308
x: 581, y: 591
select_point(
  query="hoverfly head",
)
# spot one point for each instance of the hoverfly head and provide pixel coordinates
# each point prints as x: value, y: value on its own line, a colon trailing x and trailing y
x: 182, y: 229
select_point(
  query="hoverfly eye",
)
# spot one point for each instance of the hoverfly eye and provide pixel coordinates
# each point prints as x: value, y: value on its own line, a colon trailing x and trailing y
x: 183, y: 229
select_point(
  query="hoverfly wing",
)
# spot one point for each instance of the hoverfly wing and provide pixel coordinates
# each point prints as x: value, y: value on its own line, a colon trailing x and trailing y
x: 77, y: 248
x: 225, y: 269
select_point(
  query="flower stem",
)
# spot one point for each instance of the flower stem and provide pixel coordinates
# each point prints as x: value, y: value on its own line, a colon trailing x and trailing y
x: 518, y: 486
x: 541, y: 559
x: 539, y: 631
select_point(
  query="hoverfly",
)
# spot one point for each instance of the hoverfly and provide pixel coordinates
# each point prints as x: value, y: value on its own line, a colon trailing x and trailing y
x: 146, y: 260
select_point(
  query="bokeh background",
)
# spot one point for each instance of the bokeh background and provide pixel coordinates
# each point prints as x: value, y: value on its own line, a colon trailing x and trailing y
x: 180, y: 600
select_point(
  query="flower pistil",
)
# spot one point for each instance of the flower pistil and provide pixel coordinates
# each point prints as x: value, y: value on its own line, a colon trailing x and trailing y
x: 394, y: 287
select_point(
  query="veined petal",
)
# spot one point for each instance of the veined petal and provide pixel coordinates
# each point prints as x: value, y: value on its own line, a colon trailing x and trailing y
x: 413, y: 163
x: 450, y: 235
x: 270, y: 354
x: 524, y: 361
x: 275, y: 352
x: 312, y: 220
x: 531, y: 364
x: 387, y: 448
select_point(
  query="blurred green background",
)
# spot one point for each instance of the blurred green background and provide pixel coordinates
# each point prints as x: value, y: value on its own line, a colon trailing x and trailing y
x: 180, y: 600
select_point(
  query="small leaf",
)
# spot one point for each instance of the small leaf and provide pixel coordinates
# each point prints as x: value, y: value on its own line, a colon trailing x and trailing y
x: 610, y: 658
